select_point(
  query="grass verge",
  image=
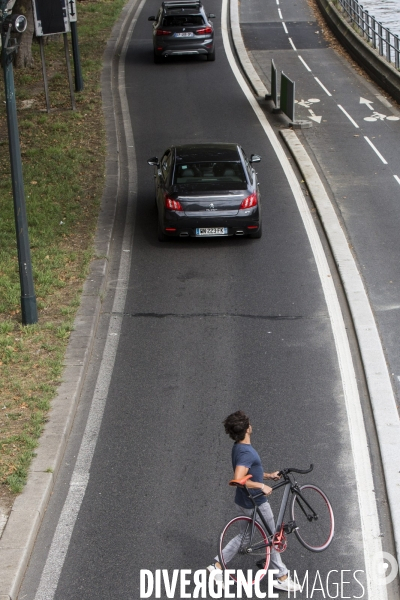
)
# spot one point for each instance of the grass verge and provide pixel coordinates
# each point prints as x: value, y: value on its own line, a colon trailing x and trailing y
x: 63, y: 155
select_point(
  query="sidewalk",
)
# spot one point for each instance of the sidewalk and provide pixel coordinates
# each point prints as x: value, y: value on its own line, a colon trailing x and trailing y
x: 350, y: 162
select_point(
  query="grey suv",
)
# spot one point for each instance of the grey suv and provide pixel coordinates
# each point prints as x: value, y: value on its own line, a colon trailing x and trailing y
x: 182, y: 28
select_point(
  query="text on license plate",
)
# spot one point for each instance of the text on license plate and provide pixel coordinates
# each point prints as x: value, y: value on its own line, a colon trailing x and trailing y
x: 212, y: 231
x: 189, y: 34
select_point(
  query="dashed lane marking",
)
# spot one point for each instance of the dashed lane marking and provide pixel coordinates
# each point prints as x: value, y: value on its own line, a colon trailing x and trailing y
x: 323, y: 87
x: 375, y: 150
x: 348, y: 116
x: 305, y: 64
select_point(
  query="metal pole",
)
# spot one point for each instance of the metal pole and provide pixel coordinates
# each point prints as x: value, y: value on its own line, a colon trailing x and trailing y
x: 28, y: 298
x: 71, y: 88
x: 77, y: 57
x: 45, y: 81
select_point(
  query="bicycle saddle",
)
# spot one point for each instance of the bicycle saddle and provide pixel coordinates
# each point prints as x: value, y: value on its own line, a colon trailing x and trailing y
x: 240, y: 482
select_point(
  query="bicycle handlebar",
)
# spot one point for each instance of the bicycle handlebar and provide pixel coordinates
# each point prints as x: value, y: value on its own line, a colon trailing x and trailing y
x: 301, y: 471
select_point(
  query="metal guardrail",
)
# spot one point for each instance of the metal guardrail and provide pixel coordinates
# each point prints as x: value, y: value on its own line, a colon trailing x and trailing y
x: 380, y: 37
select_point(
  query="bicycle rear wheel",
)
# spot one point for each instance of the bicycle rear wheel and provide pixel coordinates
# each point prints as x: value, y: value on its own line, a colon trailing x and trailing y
x: 313, y: 514
x: 240, y: 553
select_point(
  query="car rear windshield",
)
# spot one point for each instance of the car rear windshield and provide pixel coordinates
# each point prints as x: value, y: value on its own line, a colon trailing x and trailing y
x: 182, y: 20
x: 210, y: 176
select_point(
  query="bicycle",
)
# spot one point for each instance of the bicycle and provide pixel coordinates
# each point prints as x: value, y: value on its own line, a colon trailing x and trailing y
x: 244, y: 539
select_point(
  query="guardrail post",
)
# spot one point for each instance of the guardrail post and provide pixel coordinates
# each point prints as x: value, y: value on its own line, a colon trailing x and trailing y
x: 396, y: 51
x: 388, y: 53
x: 362, y: 14
x: 373, y: 25
x: 380, y: 38
x: 366, y: 12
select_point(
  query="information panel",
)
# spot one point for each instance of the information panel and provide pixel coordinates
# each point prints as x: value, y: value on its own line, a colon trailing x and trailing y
x: 50, y: 16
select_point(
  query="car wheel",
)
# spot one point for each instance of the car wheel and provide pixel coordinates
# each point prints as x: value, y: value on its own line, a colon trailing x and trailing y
x: 162, y: 237
x: 257, y: 234
x: 211, y: 55
x: 157, y: 58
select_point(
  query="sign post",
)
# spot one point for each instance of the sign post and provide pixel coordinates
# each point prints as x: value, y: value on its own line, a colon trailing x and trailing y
x: 51, y: 17
x: 75, y: 45
x: 17, y: 23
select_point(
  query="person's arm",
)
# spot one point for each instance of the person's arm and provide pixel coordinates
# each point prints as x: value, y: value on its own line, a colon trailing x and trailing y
x: 241, y: 472
x: 274, y: 476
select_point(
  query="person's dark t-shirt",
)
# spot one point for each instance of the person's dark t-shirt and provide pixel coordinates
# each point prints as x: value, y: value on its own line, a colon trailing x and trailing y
x: 244, y: 455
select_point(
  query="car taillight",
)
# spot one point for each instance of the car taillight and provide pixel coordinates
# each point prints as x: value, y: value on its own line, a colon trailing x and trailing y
x: 163, y: 32
x: 172, y: 204
x: 249, y: 201
x: 204, y: 30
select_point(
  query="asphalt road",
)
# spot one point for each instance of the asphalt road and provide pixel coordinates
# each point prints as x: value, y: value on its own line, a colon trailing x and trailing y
x: 209, y: 326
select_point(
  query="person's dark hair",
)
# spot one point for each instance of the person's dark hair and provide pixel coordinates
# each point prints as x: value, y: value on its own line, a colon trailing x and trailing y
x: 236, y: 425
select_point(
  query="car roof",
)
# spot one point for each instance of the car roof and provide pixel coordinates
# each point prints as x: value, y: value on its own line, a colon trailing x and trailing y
x: 207, y: 152
x: 181, y: 6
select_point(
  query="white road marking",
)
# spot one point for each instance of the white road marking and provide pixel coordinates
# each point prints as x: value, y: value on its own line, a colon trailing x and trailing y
x: 392, y: 118
x: 375, y: 150
x: 367, y: 102
x: 307, y: 103
x: 305, y: 64
x: 348, y: 116
x: 280, y: 13
x: 397, y: 179
x: 80, y: 477
x: 313, y: 116
x: 363, y: 474
x: 284, y: 27
x: 293, y: 46
x: 323, y: 87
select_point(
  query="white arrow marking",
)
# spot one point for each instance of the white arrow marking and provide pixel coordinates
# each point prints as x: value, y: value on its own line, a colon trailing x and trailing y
x: 367, y: 102
x: 314, y: 117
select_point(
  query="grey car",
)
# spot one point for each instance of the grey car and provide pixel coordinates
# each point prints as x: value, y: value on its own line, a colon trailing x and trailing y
x: 207, y: 190
x: 182, y: 28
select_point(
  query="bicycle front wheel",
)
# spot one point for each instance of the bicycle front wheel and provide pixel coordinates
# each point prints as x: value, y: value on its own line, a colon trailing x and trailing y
x: 313, y: 514
x: 241, y: 551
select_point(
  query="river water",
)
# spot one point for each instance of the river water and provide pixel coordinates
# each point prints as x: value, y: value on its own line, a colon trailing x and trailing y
x: 386, y: 11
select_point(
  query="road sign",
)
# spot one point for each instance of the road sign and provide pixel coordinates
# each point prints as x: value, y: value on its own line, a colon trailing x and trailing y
x: 72, y: 10
x: 50, y: 17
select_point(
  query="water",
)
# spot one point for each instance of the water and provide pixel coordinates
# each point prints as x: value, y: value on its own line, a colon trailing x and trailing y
x: 386, y: 11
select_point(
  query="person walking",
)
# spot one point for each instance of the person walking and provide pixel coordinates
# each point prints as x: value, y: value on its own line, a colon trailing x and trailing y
x: 246, y: 461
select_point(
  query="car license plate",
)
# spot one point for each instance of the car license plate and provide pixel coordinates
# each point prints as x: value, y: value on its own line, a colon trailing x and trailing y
x: 183, y: 35
x: 212, y: 231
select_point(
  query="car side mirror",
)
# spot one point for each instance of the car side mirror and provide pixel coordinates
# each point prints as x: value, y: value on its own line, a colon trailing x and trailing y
x: 152, y: 18
x: 154, y: 162
x: 255, y: 158
x: 211, y: 16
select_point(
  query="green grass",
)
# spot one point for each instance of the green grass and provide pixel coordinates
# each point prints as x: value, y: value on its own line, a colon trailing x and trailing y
x: 63, y: 156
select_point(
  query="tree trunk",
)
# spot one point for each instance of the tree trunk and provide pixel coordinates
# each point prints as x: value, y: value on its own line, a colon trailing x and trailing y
x: 24, y: 55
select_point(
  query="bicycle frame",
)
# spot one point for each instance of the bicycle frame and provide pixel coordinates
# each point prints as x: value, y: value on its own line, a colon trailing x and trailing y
x: 290, y: 487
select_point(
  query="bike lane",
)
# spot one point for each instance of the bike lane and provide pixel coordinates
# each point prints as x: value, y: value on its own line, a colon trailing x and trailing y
x: 353, y: 140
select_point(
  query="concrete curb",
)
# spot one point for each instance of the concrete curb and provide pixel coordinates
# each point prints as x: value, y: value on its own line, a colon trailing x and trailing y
x: 20, y: 532
x: 247, y: 66
x: 386, y: 416
x: 380, y: 70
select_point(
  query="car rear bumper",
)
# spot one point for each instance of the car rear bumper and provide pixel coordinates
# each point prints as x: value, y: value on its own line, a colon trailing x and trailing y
x: 180, y: 49
x: 182, y: 226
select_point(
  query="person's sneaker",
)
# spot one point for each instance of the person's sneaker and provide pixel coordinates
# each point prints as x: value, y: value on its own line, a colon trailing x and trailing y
x: 219, y: 577
x: 287, y: 585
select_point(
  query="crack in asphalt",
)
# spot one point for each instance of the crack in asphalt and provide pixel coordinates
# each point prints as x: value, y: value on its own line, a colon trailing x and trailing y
x: 153, y: 315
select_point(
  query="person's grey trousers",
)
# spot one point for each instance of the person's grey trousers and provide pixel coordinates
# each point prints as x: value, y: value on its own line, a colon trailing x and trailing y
x: 232, y: 547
